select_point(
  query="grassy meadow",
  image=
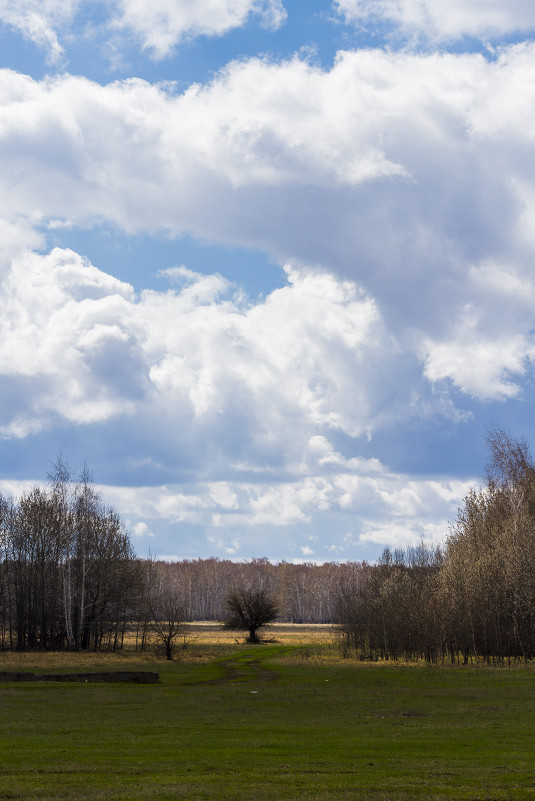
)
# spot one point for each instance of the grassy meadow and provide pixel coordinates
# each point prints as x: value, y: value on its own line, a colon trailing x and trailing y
x: 289, y: 720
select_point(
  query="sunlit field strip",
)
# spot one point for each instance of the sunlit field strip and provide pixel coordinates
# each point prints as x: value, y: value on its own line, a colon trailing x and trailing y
x: 203, y: 641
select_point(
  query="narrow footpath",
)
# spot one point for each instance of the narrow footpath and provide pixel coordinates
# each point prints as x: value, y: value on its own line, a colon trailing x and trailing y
x: 248, y: 666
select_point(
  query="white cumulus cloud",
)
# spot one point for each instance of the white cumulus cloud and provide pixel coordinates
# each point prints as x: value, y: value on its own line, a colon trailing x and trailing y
x: 439, y: 21
x: 411, y: 176
x: 277, y: 515
x: 195, y: 365
x: 162, y: 24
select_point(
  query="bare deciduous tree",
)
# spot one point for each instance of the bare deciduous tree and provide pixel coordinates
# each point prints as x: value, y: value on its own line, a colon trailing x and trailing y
x: 250, y: 610
x: 166, y: 611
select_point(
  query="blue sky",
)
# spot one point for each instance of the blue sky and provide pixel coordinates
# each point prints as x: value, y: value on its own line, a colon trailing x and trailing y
x: 266, y: 266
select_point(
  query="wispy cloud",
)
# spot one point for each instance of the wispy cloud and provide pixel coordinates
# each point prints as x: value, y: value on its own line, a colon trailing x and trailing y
x: 40, y: 21
x: 157, y: 27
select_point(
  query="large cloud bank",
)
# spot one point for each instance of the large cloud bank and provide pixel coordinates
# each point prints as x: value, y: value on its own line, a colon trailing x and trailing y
x: 237, y: 390
x: 408, y: 174
x: 87, y: 349
x: 398, y: 191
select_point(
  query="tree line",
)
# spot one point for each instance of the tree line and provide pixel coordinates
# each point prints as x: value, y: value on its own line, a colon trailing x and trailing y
x: 68, y: 573
x: 472, y: 598
x: 69, y: 578
x: 305, y: 593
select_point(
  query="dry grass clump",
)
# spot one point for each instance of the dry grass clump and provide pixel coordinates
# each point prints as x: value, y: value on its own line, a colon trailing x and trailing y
x: 50, y: 660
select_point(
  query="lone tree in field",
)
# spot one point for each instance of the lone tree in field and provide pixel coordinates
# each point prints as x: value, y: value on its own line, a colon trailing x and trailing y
x: 165, y: 611
x: 249, y: 610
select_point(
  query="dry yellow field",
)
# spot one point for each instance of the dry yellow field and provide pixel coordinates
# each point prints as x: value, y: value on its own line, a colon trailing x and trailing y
x: 204, y: 641
x: 211, y: 633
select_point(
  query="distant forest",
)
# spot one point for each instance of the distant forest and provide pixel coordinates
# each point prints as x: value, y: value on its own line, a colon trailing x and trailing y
x: 69, y: 578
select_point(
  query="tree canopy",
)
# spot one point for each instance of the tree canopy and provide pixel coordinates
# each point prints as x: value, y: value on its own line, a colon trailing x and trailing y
x: 249, y: 610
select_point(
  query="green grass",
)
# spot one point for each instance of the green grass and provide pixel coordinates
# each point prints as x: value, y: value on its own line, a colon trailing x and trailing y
x: 224, y: 731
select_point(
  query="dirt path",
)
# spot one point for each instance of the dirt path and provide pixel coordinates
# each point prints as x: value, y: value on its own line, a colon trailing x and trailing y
x: 247, y: 666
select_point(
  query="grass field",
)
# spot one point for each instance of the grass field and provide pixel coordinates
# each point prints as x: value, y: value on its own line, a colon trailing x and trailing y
x: 285, y: 721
